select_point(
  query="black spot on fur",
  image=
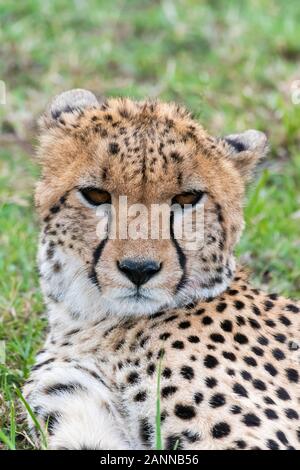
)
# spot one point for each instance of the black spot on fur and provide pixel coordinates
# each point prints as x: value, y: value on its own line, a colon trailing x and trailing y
x: 271, y: 414
x: 292, y: 375
x: 241, y: 339
x: 176, y: 157
x: 217, y: 400
x: 292, y: 308
x: 57, y: 267
x: 250, y: 361
x: 291, y: 414
x: 171, y: 318
x: 114, y: 148
x: 210, y: 362
x: 220, y: 430
x: 198, y: 397
x: 133, y: 378
x: 282, y: 394
x: 166, y: 373
x: 263, y: 341
x: 229, y: 355
x: 278, y: 354
x: 187, y: 372
x: 184, y: 324
x: 140, y: 396
x: 55, y: 209
x: 217, y: 338
x: 271, y: 369
x: 241, y: 444
x: 226, y: 325
x: 251, y: 420
x: 146, y: 430
x: 178, y: 344
x: 185, y: 412
x: 211, y: 382
x: 240, y: 390
x: 168, y: 390
x: 193, y: 339
x: 259, y: 384
x: 284, y: 320
x: 164, y: 336
x: 235, y: 409
x: 239, y: 305
x: 256, y: 310
x: 151, y: 369
x: 272, y: 445
x: 254, y: 324
x: 221, y: 307
x: 268, y: 305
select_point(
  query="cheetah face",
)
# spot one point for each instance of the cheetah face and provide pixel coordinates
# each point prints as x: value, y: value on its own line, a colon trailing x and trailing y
x: 95, y: 157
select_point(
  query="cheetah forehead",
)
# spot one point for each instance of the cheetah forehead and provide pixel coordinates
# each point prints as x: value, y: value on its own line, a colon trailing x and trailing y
x: 122, y: 141
x: 124, y: 144
x: 126, y: 123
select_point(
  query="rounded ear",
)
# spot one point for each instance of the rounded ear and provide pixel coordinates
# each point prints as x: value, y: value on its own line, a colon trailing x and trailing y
x: 245, y: 150
x: 72, y: 101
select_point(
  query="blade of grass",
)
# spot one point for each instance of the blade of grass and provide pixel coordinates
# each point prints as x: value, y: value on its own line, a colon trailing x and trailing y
x: 176, y: 445
x: 34, y: 419
x: 6, y: 440
x: 13, y: 424
x: 158, y: 440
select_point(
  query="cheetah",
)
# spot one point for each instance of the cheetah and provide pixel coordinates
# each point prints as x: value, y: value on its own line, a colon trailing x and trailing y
x: 120, y: 310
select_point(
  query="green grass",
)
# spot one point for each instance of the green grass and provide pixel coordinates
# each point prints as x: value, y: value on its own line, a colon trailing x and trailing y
x: 232, y: 63
x: 158, y: 438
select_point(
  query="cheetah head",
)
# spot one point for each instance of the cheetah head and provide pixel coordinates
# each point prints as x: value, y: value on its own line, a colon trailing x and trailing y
x: 96, y: 157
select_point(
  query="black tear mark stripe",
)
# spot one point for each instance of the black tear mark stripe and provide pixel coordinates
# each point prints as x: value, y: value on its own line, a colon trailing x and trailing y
x: 96, y: 256
x: 220, y: 217
x: 180, y: 255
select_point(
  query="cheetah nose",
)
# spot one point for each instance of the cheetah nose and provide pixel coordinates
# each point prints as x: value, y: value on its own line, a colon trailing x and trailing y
x: 139, y: 272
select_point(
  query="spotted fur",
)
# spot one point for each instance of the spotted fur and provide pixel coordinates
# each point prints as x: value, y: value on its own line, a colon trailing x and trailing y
x: 230, y: 353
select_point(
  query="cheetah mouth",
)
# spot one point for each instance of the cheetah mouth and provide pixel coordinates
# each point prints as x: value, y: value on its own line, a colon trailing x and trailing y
x: 136, y: 302
x: 137, y: 296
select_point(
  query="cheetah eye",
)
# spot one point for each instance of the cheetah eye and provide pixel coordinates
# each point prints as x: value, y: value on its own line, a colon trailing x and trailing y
x: 95, y: 196
x: 188, y: 198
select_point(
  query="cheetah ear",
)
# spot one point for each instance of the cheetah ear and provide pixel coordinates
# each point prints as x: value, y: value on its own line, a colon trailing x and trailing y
x: 71, y: 102
x: 245, y: 150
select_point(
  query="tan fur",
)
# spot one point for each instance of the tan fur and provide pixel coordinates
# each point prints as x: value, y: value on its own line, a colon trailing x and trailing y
x: 230, y: 366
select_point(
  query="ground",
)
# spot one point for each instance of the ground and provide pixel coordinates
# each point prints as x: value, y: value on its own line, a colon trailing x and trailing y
x: 232, y: 63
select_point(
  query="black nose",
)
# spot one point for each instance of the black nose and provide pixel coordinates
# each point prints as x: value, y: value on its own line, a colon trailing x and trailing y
x: 139, y: 272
